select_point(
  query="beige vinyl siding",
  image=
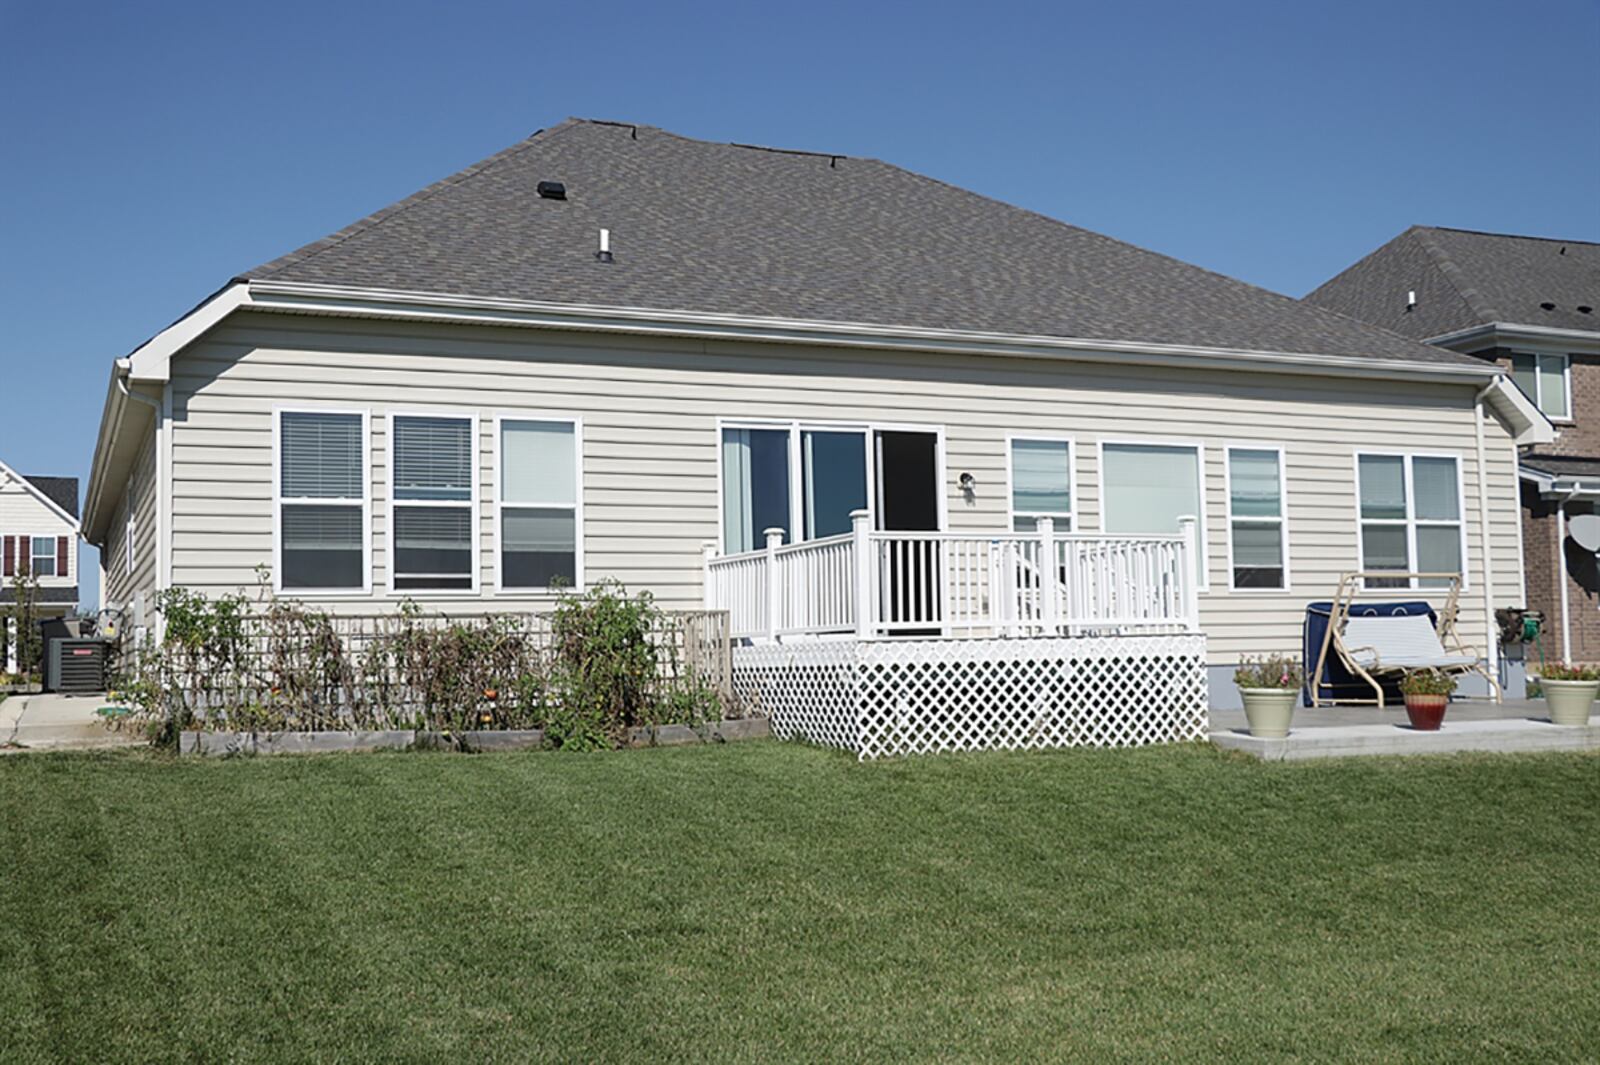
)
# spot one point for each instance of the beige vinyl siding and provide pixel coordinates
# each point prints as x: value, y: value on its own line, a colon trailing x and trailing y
x: 122, y: 586
x: 650, y: 408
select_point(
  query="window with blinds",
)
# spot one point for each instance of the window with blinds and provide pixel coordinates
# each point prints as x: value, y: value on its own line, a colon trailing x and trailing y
x: 432, y: 536
x: 1257, y: 540
x: 1041, y: 483
x: 322, y: 501
x: 1545, y: 380
x: 1410, y: 516
x: 537, y: 504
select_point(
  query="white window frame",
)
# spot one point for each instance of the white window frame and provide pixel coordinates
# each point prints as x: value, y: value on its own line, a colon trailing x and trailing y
x: 471, y: 418
x: 1072, y: 481
x: 34, y: 556
x: 1538, y: 380
x: 1203, y: 541
x: 1411, y: 521
x: 578, y: 577
x: 279, y: 500
x: 797, y: 472
x: 1282, y: 519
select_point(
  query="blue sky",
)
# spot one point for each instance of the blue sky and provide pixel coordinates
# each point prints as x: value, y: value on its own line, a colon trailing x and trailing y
x: 148, y: 152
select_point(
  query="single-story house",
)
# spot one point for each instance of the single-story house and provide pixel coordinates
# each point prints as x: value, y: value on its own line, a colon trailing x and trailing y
x: 1530, y: 305
x: 610, y: 351
x: 38, y: 536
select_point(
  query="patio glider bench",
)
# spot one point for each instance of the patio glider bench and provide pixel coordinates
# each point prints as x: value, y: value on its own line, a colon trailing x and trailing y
x: 1365, y: 648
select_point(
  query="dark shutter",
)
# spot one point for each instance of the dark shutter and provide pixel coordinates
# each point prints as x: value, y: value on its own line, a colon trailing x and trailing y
x: 61, y: 556
x: 10, y: 565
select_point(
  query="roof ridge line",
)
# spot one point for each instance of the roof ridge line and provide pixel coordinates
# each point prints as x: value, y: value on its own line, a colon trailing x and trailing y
x: 1514, y: 236
x: 1454, y: 274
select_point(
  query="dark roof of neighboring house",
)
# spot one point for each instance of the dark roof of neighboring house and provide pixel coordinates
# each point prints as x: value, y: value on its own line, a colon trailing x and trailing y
x: 1463, y: 278
x: 46, y: 595
x: 722, y: 228
x: 1563, y: 465
x: 62, y: 491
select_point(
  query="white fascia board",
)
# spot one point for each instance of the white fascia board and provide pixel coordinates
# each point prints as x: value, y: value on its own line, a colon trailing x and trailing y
x: 1528, y: 423
x: 426, y: 306
x: 1494, y: 334
x: 33, y: 490
x: 152, y: 360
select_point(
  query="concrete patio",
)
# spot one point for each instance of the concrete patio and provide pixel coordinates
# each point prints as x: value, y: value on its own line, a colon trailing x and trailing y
x: 1346, y: 731
x: 57, y: 722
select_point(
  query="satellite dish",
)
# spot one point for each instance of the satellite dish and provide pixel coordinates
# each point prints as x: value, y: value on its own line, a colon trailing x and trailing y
x: 1585, y: 531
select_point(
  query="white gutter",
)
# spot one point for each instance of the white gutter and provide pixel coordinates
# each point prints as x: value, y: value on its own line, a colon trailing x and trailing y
x: 1489, y: 330
x: 441, y: 307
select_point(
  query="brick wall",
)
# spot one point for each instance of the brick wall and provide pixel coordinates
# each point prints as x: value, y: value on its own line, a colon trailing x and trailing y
x: 1539, y: 547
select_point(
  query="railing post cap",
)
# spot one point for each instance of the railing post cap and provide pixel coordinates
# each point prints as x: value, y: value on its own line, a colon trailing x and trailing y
x: 774, y: 531
x: 861, y: 513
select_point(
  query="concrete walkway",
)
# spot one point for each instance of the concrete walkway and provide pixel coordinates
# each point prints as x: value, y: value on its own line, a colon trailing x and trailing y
x: 57, y: 722
x: 1337, y: 732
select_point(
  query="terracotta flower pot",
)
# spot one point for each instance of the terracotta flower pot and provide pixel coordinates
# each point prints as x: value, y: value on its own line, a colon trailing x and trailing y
x: 1570, y: 700
x: 1426, y: 711
x: 1269, y: 710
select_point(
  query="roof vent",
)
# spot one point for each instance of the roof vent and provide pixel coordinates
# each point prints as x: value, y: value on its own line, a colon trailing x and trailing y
x: 1411, y: 299
x: 604, y: 254
x: 1547, y: 305
x: 1584, y: 308
x: 552, y: 190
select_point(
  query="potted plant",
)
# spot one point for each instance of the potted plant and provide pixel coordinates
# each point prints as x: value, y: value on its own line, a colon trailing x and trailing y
x: 1427, y: 693
x: 1569, y: 692
x: 1269, y: 686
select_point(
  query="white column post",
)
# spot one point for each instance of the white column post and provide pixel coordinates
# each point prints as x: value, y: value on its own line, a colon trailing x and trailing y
x: 1189, y: 578
x: 860, y: 531
x: 774, y: 541
x: 708, y: 551
x: 1049, y: 604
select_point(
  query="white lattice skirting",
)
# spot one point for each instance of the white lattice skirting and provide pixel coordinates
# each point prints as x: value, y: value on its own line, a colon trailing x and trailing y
x: 917, y: 696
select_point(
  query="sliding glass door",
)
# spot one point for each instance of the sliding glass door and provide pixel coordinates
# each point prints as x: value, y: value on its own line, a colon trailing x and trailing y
x: 771, y: 475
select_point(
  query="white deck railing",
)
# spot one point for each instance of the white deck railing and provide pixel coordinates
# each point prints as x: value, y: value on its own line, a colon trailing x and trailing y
x: 872, y: 584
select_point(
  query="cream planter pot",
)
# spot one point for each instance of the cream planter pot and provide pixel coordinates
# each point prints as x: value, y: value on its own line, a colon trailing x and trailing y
x: 1269, y: 710
x: 1570, y: 700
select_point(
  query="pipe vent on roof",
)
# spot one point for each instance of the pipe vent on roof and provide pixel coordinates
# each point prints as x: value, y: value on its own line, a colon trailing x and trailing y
x: 552, y: 190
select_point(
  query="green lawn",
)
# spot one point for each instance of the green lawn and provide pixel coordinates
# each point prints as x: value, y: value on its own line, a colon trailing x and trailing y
x: 769, y: 902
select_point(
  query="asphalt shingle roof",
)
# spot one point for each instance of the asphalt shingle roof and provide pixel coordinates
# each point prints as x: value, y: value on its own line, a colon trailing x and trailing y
x: 1563, y: 465
x: 63, y: 491
x: 1464, y: 278
x: 719, y: 228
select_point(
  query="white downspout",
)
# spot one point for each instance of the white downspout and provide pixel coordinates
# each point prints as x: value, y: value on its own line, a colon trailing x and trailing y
x: 1491, y: 638
x: 1561, y: 556
x: 123, y: 367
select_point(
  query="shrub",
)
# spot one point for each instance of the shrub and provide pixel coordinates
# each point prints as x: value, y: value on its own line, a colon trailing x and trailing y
x: 1268, y: 671
x: 1427, y: 682
x: 1567, y: 671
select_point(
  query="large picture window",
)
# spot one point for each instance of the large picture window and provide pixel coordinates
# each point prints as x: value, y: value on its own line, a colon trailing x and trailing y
x: 1257, y: 543
x: 322, y: 501
x: 1040, y: 473
x: 1146, y: 488
x: 539, y: 504
x: 1544, y: 378
x: 433, y: 528
x: 1410, y: 511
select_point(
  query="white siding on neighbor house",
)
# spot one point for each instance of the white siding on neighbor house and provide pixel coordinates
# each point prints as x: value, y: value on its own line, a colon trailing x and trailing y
x: 122, y: 583
x: 650, y: 408
x: 23, y: 514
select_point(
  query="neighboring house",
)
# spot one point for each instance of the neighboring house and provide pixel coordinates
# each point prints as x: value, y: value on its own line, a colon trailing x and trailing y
x: 1532, y: 306
x: 608, y: 346
x: 38, y: 535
